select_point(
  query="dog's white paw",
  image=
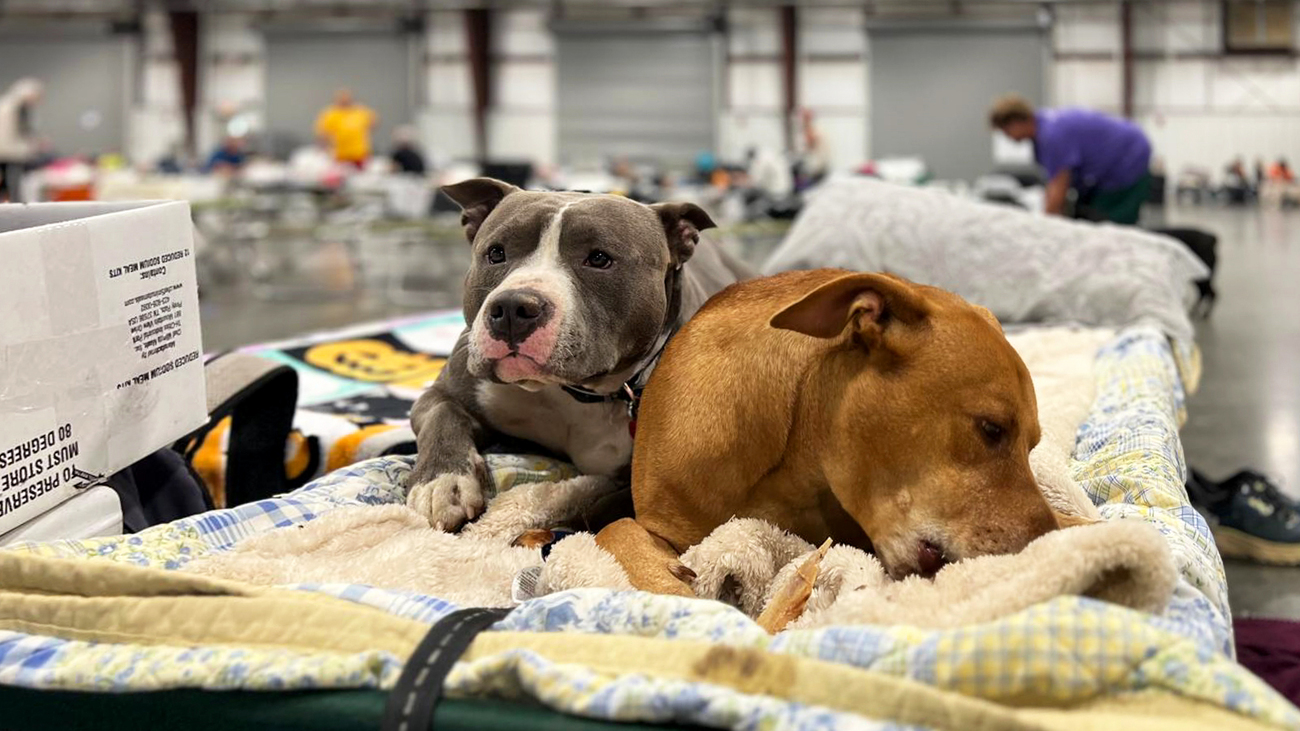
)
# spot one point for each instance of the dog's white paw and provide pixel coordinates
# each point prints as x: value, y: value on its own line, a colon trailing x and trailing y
x: 448, y: 501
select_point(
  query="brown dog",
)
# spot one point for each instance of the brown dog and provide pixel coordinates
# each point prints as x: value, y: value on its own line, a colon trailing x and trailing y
x: 860, y: 407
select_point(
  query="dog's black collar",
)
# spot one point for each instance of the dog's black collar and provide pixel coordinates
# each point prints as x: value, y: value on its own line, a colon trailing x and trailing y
x: 630, y: 391
x: 584, y: 396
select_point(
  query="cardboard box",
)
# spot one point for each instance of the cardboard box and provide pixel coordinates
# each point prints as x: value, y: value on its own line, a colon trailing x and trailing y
x: 88, y: 514
x: 100, y: 348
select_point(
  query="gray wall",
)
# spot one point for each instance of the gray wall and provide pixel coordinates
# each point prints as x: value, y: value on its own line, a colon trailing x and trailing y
x: 931, y: 89
x: 304, y: 69
x: 644, y: 96
x: 85, y: 79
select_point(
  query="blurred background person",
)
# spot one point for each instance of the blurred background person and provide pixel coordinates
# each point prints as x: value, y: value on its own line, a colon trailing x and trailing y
x: 346, y: 126
x: 1104, y: 159
x: 1236, y: 181
x: 1279, y: 187
x: 766, y: 183
x: 173, y: 161
x: 1281, y: 172
x: 813, y: 156
x: 18, y: 141
x: 229, y: 156
x: 406, y: 154
x: 769, y: 172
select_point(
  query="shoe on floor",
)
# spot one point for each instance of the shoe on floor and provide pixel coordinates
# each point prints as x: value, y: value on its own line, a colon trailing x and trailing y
x: 1250, y: 517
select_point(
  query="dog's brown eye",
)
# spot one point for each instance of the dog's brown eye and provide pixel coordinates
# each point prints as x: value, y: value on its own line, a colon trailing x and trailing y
x: 598, y: 259
x: 992, y: 433
x: 495, y: 254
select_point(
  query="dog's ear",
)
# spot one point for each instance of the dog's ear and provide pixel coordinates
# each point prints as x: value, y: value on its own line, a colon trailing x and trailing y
x: 683, y: 223
x: 476, y: 198
x: 867, y: 304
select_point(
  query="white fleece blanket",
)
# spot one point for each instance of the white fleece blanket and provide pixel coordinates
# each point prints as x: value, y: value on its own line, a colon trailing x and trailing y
x: 1026, y: 268
x: 743, y: 561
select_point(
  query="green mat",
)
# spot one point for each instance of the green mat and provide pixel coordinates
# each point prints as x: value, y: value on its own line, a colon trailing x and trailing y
x: 198, y: 710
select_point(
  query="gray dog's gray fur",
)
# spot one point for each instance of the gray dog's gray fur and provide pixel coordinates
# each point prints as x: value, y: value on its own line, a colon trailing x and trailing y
x: 564, y: 289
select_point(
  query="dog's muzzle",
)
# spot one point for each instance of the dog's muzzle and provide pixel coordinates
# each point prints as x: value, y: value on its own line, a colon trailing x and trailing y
x: 514, y: 315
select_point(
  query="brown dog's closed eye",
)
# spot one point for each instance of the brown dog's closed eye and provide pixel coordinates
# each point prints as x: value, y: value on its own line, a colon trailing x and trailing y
x: 993, y: 433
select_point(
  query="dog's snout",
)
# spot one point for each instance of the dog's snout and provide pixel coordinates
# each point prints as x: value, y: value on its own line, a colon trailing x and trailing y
x: 514, y: 315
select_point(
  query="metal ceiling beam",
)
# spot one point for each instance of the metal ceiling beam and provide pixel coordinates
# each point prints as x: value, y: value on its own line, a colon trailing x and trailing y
x: 478, y: 46
x: 1126, y: 54
x: 184, y: 25
x: 51, y: 8
x: 789, y: 69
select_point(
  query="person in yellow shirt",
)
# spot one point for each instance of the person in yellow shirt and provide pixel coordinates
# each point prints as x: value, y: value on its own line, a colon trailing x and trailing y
x: 345, y: 126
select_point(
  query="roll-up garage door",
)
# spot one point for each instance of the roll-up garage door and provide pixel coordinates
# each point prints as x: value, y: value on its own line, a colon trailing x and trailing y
x: 645, y: 96
x: 931, y: 89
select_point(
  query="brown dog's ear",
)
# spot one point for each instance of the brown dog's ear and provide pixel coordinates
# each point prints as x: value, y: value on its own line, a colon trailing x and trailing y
x: 683, y: 223
x: 867, y: 303
x: 476, y: 198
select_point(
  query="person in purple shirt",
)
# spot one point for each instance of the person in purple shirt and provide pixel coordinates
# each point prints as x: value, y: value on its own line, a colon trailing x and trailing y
x: 1104, y: 158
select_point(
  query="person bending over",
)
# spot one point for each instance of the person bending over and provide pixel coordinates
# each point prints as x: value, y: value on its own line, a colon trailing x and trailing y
x: 1104, y: 158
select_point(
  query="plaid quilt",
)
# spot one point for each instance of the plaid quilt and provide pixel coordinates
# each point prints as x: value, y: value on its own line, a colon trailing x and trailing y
x: 1068, y: 650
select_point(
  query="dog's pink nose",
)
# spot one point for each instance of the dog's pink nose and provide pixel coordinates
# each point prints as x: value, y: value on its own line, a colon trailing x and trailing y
x: 929, y: 558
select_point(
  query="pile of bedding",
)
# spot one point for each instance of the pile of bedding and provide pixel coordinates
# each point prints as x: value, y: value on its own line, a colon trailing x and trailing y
x: 1024, y: 267
x: 745, y: 561
x: 67, y: 620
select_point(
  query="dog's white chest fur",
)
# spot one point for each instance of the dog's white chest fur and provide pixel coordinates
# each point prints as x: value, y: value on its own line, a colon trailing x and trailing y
x: 594, y: 436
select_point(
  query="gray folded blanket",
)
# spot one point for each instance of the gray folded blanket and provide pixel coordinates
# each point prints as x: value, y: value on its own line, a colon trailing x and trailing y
x: 1023, y: 266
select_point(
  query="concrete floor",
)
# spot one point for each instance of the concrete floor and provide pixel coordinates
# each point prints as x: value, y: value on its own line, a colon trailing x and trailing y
x: 233, y: 317
x: 1246, y: 413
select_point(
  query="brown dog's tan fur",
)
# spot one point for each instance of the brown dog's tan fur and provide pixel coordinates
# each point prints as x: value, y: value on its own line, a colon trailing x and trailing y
x: 852, y: 406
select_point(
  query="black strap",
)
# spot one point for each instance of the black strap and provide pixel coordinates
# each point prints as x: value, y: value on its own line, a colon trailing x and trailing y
x: 260, y: 397
x: 418, y: 690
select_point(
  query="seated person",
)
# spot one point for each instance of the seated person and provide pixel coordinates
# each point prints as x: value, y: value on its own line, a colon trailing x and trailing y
x: 228, y: 157
x: 406, y: 154
x: 1235, y: 182
x: 1281, y: 172
x: 1280, y: 187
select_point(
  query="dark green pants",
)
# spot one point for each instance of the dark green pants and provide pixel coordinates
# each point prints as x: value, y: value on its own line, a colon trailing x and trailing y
x: 1121, y: 205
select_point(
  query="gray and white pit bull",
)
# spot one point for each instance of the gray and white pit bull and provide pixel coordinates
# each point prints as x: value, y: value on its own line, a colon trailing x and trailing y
x: 568, y: 303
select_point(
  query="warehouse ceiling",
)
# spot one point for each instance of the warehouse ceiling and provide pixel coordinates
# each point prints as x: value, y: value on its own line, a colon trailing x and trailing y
x: 49, y: 8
